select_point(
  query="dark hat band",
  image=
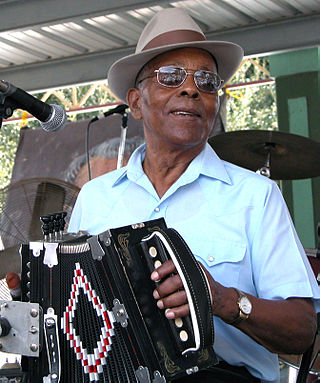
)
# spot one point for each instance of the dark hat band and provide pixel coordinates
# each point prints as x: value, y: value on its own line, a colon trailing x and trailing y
x: 174, y: 37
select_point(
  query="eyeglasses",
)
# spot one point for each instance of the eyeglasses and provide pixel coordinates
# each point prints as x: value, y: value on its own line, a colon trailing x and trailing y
x: 173, y: 77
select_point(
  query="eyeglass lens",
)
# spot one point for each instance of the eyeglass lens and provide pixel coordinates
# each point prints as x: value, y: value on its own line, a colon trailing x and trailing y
x: 173, y: 77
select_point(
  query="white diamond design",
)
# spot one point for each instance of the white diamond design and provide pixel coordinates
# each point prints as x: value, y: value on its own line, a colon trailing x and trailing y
x: 91, y: 363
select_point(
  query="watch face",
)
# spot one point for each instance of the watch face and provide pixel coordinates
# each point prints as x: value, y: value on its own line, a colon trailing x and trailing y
x: 245, y: 305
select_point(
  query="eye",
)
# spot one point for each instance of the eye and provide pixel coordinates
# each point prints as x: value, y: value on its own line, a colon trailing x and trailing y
x: 208, y: 80
x: 171, y: 76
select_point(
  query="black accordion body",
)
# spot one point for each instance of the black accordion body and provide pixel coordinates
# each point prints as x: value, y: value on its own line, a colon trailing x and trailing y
x: 100, y: 320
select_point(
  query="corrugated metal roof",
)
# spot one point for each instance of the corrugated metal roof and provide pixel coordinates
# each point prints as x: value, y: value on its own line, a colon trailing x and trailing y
x: 118, y: 28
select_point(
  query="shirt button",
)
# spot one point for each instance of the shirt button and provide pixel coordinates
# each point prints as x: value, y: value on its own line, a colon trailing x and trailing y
x: 211, y: 259
x: 157, y: 209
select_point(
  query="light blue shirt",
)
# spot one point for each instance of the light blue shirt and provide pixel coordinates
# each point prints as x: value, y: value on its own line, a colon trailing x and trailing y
x: 235, y: 222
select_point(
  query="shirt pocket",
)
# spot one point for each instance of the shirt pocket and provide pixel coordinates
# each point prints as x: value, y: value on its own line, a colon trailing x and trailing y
x: 223, y: 259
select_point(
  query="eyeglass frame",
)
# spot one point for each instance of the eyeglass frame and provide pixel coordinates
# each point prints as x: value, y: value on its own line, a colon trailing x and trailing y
x: 157, y: 71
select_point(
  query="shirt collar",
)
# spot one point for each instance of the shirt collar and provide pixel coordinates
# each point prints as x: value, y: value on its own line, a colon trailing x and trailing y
x: 212, y: 166
x: 134, y: 169
x: 206, y: 163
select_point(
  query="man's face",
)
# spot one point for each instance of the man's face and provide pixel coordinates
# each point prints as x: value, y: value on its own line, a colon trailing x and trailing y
x: 179, y: 117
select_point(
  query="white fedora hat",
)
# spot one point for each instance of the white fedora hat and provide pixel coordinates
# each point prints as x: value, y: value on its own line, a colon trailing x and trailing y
x: 170, y: 29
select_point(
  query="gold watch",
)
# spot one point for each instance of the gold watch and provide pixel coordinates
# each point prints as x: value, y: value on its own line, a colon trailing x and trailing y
x: 245, y: 307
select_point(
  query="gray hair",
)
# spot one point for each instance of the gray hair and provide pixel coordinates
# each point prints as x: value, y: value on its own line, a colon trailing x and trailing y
x: 107, y: 149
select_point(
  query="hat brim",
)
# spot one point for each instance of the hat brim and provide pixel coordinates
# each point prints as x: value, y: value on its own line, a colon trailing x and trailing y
x: 122, y: 74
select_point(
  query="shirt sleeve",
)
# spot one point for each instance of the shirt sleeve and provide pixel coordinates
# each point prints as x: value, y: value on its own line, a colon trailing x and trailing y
x: 75, y: 219
x: 281, y: 267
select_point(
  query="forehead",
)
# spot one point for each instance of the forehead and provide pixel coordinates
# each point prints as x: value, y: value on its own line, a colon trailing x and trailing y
x: 186, y: 57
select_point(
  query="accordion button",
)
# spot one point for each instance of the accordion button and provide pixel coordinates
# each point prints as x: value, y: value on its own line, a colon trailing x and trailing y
x: 178, y: 322
x: 153, y: 251
x: 183, y: 335
x: 157, y: 264
x: 157, y: 209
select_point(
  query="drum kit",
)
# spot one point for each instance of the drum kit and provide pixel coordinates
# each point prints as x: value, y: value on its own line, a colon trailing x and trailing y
x: 279, y: 156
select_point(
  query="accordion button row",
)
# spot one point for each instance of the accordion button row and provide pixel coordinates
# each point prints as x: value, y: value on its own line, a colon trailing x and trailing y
x: 179, y: 323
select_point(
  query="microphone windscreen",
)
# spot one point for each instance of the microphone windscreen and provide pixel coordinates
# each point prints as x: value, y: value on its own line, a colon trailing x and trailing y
x: 56, y: 121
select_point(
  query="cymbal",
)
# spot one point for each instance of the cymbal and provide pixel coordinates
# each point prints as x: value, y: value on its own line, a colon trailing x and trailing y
x: 291, y: 156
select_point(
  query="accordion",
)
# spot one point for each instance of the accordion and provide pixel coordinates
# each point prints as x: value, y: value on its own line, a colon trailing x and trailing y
x: 100, y: 320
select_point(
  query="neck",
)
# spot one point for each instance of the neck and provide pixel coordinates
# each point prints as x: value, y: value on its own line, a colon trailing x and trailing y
x: 164, y: 167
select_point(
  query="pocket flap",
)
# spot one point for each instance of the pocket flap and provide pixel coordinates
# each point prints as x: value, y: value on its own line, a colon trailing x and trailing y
x: 215, y: 252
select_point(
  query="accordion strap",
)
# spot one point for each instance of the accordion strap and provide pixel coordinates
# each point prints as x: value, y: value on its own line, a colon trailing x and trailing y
x: 195, y: 284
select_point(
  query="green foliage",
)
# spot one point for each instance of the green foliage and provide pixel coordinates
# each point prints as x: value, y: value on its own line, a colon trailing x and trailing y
x: 9, y: 137
x: 98, y: 97
x: 252, y: 107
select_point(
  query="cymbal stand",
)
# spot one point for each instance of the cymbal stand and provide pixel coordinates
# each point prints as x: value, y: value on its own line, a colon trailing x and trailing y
x: 122, y: 139
x: 266, y: 169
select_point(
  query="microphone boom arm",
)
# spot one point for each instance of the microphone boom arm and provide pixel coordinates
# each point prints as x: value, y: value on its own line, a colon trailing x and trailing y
x: 7, y: 106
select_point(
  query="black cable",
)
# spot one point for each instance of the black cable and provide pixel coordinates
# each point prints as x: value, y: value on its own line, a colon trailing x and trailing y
x: 120, y: 109
x: 87, y: 150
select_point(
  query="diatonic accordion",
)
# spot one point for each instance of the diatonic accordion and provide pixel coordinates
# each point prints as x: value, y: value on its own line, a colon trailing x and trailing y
x: 100, y: 320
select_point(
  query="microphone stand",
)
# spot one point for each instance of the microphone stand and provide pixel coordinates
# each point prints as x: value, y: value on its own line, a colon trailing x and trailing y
x: 122, y: 139
x: 120, y: 109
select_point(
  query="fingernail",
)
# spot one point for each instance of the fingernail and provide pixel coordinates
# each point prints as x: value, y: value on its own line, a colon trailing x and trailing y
x: 169, y: 314
x: 155, y: 276
x: 160, y: 304
x: 156, y: 294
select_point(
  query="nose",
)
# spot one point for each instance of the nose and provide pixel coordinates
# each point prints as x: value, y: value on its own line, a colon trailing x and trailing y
x: 189, y: 88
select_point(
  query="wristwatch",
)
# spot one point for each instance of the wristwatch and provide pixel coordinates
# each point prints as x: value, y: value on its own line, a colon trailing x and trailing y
x: 245, y: 307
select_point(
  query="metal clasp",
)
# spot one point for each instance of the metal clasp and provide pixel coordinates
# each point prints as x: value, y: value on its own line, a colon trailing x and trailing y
x: 120, y: 313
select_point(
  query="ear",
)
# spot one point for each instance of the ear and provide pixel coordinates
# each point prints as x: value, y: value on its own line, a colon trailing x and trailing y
x: 134, y: 102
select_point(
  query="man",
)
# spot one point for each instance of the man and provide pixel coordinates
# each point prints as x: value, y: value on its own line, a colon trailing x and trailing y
x: 234, y: 221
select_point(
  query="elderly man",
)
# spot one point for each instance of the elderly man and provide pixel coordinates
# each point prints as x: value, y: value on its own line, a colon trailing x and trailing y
x: 235, y: 221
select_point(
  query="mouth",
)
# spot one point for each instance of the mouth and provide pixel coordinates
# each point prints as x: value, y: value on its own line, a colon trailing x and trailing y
x: 186, y: 113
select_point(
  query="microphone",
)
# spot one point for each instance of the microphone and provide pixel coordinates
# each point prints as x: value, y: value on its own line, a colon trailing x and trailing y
x: 52, y: 117
x: 117, y: 110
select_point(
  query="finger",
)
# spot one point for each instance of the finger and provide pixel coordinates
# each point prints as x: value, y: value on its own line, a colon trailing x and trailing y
x: 177, y: 312
x: 12, y: 280
x: 14, y: 285
x: 162, y: 271
x: 169, y: 286
x: 177, y: 299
